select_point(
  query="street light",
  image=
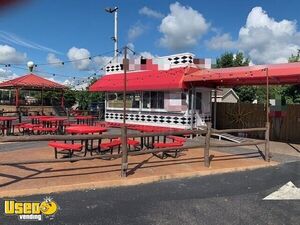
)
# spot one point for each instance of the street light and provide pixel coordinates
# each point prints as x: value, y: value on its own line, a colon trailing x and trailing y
x: 115, y: 38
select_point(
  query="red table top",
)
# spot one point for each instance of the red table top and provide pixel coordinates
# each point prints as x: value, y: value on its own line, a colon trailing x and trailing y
x: 7, y: 118
x: 52, y: 119
x: 84, y: 129
x: 84, y: 117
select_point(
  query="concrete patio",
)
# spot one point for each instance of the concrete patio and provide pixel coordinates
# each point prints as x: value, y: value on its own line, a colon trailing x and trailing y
x: 42, y: 178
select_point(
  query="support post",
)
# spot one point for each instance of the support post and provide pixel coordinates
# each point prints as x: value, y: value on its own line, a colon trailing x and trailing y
x: 62, y: 100
x: 17, y: 98
x: 42, y: 99
x: 116, y: 36
x: 207, y: 144
x: 19, y: 114
x: 192, y: 101
x: 267, y: 96
x: 267, y: 144
x: 215, y: 108
x: 124, y: 166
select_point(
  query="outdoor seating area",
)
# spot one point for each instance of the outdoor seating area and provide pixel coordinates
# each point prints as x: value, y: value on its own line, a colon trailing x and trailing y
x: 88, y: 125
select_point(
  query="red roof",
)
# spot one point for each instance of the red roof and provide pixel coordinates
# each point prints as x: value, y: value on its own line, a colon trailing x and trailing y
x: 31, y: 81
x: 143, y: 80
x: 181, y: 78
x: 287, y: 73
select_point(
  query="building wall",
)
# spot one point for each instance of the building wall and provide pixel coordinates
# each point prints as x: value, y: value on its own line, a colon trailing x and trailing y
x: 32, y: 109
x: 174, y: 102
x: 176, y: 111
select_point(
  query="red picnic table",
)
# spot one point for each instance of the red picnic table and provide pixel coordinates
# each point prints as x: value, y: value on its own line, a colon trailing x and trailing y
x: 36, y: 119
x: 6, y: 124
x: 50, y: 122
x: 89, y: 120
x: 85, y: 129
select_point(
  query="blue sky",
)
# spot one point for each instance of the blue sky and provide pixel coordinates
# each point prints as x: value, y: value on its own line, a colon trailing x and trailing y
x: 152, y: 27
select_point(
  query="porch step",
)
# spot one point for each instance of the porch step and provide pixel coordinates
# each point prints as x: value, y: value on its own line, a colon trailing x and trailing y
x: 230, y: 137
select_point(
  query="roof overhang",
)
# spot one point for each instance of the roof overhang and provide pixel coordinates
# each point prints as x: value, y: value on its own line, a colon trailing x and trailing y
x: 142, y: 81
x: 287, y: 73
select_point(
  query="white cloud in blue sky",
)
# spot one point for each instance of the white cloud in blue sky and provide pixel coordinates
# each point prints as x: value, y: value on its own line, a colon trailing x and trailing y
x: 182, y: 27
x: 155, y: 27
x: 54, y: 60
x: 6, y: 74
x: 135, y: 31
x: 9, y: 54
x: 262, y: 38
x: 150, y: 13
x: 79, y: 56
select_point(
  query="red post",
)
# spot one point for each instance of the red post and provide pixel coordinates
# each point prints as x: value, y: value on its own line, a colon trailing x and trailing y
x: 17, y: 97
x: 62, y: 100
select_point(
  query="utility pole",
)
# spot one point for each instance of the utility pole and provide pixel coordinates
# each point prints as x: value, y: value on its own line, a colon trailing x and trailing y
x: 115, y: 37
x: 124, y: 166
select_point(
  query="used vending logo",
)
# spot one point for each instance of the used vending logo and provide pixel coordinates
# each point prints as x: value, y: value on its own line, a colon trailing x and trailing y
x: 31, y: 210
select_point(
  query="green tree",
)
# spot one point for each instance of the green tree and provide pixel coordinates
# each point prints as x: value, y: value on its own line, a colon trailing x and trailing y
x: 295, y: 58
x: 85, y: 98
x: 228, y: 59
x: 292, y: 92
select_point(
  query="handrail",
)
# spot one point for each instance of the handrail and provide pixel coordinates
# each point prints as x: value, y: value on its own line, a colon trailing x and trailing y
x: 91, y: 136
x: 215, y: 131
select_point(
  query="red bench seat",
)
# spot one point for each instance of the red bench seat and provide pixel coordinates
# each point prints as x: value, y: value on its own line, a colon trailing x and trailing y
x: 60, y: 147
x: 177, y: 139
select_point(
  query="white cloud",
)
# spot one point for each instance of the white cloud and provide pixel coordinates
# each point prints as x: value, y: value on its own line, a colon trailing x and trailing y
x: 101, y: 61
x: 11, y: 38
x: 6, y: 74
x: 52, y: 58
x: 76, y: 84
x: 221, y: 41
x: 9, y: 54
x: 78, y: 54
x: 147, y: 55
x: 131, y: 46
x: 135, y: 31
x: 263, y: 39
x: 182, y: 28
x: 150, y: 13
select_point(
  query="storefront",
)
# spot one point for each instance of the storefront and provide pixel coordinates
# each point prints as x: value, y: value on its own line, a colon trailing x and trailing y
x: 156, y: 94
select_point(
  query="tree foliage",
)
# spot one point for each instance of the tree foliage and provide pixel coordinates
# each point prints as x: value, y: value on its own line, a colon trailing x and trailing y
x: 295, y: 58
x: 228, y: 59
x: 291, y: 93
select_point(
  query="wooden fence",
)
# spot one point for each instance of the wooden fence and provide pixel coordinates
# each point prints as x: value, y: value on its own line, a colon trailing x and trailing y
x: 207, y: 131
x: 245, y: 115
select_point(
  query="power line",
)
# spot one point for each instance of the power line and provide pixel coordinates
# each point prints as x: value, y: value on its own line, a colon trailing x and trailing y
x: 61, y: 62
x: 90, y: 76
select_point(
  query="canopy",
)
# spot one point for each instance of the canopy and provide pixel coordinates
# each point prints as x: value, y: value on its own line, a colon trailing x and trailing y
x: 287, y: 73
x: 142, y: 81
x: 31, y: 81
x: 182, y: 78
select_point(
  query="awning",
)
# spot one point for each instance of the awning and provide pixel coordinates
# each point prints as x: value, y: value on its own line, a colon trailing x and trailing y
x: 31, y: 81
x: 287, y: 73
x: 142, y: 81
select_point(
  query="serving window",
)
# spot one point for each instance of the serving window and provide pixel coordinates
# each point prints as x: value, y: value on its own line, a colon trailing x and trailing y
x: 153, y: 100
x: 115, y: 100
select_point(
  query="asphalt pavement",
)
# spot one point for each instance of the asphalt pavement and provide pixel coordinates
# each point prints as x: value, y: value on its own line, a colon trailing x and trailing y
x: 232, y: 198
